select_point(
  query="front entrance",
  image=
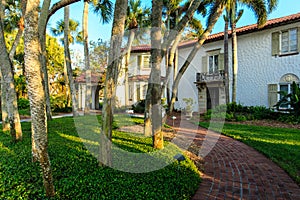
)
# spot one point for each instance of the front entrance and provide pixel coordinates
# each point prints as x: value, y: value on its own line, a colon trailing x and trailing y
x: 212, y: 94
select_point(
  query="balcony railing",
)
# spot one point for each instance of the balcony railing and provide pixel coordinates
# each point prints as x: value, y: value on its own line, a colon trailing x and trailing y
x: 206, y: 77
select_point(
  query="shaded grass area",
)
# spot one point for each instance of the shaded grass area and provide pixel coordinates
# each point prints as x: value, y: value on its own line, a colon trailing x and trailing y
x: 77, y: 174
x: 281, y: 145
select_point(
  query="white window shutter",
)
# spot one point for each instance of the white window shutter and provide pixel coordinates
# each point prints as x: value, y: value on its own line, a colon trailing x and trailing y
x: 272, y: 95
x: 221, y: 61
x: 298, y: 38
x: 204, y: 64
x: 139, y: 61
x: 275, y: 43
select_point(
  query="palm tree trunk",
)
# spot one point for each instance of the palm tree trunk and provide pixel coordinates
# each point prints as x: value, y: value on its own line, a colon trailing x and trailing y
x: 5, y: 124
x: 88, y: 73
x: 129, y: 45
x: 234, y: 62
x: 193, y: 53
x: 8, y: 90
x: 69, y: 70
x: 170, y: 62
x: 154, y: 85
x: 226, y: 76
x: 111, y: 82
x: 67, y: 91
x: 43, y: 56
x: 36, y: 91
x: 17, y: 39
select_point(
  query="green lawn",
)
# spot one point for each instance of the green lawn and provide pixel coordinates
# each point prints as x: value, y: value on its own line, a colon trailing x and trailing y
x: 77, y: 174
x: 281, y: 145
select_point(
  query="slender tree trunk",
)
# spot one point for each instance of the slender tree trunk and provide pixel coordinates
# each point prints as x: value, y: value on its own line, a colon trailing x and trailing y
x: 36, y: 91
x: 193, y: 53
x: 114, y: 63
x: 43, y: 56
x: 68, y: 62
x: 234, y: 62
x: 170, y: 62
x: 129, y: 45
x: 67, y: 91
x: 226, y: 62
x: 155, y: 76
x: 8, y: 90
x: 17, y: 39
x: 88, y: 74
x: 5, y: 123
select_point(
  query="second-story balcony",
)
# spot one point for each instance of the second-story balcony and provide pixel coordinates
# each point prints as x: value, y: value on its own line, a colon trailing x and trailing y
x: 210, y: 77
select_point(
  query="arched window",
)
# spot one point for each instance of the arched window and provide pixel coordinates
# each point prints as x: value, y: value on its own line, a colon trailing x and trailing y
x: 285, y: 84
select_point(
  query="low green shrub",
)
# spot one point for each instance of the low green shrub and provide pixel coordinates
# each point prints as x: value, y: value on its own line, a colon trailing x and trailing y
x: 240, y: 118
x: 23, y: 103
x: 59, y: 103
x: 77, y: 174
x: 139, y: 107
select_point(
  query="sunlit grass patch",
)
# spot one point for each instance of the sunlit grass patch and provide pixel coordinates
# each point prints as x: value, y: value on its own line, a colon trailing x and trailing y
x: 77, y: 174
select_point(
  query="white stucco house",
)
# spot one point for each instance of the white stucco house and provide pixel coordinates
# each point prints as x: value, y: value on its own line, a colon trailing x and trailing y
x: 268, y: 61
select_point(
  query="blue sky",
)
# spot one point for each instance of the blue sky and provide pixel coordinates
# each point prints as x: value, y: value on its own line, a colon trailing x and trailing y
x: 98, y: 30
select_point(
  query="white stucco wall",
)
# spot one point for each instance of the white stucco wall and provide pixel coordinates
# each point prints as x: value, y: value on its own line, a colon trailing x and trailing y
x: 258, y: 68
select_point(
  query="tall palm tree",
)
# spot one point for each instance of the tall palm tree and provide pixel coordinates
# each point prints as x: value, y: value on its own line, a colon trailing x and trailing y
x: 69, y: 28
x: 168, y: 40
x: 74, y: 34
x: 261, y: 8
x: 36, y: 91
x: 9, y: 96
x: 154, y: 87
x: 68, y: 64
x: 111, y: 82
x: 88, y: 95
x: 137, y: 17
x: 103, y: 8
x: 226, y: 60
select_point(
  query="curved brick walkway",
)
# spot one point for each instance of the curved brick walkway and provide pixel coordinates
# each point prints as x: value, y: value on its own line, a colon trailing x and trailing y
x: 233, y: 170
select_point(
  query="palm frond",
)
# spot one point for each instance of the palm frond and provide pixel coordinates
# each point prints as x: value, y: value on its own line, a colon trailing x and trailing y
x: 104, y: 8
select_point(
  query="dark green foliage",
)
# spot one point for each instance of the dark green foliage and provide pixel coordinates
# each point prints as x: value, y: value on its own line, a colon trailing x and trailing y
x: 292, y: 99
x: 59, y: 103
x: 281, y: 145
x: 238, y: 112
x: 139, y: 107
x: 23, y: 103
x: 76, y: 172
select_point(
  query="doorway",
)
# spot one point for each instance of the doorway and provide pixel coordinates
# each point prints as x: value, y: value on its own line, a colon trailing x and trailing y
x: 212, y: 97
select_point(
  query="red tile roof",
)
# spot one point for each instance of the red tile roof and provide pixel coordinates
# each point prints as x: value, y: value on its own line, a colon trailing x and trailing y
x: 240, y: 31
x: 144, y: 78
x: 96, y: 78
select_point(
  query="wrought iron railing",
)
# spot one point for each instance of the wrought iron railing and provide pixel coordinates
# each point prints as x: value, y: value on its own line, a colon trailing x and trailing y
x: 207, y: 77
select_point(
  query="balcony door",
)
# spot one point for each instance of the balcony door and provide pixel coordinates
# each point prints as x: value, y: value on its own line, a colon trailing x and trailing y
x: 212, y: 97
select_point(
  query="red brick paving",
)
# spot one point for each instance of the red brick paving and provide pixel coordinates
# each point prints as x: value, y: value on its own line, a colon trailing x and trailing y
x: 233, y: 170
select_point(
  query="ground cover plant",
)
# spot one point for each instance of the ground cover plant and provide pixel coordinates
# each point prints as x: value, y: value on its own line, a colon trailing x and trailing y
x: 77, y: 174
x: 281, y: 145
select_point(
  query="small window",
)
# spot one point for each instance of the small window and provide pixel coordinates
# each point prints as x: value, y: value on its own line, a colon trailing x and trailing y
x: 289, y: 41
x: 144, y: 91
x: 285, y: 88
x: 286, y: 42
x: 146, y: 61
x: 213, y: 64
